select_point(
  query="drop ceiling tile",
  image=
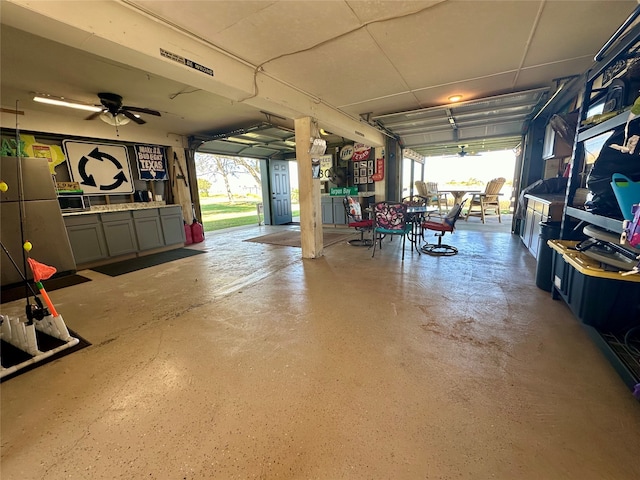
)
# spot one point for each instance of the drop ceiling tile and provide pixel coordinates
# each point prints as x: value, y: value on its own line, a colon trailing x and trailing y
x: 457, y: 41
x: 555, y: 43
x: 333, y: 73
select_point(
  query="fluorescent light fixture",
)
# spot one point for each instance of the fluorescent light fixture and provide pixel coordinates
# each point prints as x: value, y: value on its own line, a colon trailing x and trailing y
x: 61, y: 102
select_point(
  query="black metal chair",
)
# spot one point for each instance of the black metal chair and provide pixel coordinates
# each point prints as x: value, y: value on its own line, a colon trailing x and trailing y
x: 447, y: 224
x: 353, y: 214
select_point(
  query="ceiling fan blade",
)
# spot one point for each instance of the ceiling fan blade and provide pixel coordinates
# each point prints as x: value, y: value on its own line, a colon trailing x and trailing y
x: 94, y: 115
x: 131, y: 116
x: 142, y: 110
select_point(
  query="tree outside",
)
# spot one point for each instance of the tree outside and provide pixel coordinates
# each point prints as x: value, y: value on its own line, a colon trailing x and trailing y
x: 230, y: 191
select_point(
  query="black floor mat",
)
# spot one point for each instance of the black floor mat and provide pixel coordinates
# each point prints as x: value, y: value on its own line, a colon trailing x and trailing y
x: 16, y: 292
x: 138, y: 263
x: 11, y: 355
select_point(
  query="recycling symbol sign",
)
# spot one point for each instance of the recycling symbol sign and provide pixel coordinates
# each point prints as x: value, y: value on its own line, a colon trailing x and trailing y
x: 100, y: 169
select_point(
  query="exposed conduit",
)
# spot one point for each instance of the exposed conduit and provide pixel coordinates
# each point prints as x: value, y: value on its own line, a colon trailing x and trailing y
x: 527, y: 45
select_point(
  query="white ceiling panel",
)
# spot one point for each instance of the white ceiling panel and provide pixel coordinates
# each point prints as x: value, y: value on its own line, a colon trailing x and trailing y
x: 368, y: 58
x: 468, y: 89
x: 442, y: 45
x: 377, y: 11
x: 557, y: 42
x: 334, y: 74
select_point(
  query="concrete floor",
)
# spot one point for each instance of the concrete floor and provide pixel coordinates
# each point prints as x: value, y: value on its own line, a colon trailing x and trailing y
x: 248, y: 362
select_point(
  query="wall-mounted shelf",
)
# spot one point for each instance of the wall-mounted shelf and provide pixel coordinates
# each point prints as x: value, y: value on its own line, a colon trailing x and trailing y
x: 603, y: 127
x: 607, y: 223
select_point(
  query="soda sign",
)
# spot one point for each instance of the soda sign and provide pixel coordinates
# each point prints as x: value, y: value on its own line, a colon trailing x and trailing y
x: 360, y: 152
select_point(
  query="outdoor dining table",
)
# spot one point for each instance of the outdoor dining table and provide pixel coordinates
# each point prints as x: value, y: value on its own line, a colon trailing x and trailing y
x: 458, y: 194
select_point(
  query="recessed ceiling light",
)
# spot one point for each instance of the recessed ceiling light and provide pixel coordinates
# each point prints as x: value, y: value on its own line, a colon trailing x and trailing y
x: 455, y: 98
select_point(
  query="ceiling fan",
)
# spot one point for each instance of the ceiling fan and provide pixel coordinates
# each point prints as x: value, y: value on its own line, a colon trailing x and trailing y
x: 115, y: 113
x: 464, y: 153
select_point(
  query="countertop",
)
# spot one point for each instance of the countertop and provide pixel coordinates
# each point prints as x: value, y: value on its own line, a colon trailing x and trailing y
x: 550, y: 198
x: 119, y: 207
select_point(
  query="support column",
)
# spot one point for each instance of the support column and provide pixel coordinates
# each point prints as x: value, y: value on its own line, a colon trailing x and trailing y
x: 310, y: 207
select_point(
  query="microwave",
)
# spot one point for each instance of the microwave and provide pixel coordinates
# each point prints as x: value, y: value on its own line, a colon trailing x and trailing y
x: 74, y: 203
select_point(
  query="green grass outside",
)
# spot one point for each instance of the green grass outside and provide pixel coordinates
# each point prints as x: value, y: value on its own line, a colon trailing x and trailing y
x: 218, y: 213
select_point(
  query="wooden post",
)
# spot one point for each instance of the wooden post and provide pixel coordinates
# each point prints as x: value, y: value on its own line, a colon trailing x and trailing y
x: 310, y: 205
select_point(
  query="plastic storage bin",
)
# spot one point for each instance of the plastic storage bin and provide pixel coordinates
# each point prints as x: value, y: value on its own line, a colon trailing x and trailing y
x: 602, y: 299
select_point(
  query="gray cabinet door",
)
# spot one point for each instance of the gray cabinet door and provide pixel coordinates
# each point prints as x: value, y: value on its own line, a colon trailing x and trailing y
x: 339, y: 216
x: 172, y: 225
x: 148, y: 228
x: 327, y: 210
x: 119, y: 233
x: 87, y: 241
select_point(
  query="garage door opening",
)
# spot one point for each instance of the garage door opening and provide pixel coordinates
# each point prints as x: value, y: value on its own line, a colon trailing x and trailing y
x: 232, y: 194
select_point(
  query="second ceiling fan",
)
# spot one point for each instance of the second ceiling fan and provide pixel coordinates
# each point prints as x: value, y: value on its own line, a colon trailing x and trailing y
x: 464, y: 153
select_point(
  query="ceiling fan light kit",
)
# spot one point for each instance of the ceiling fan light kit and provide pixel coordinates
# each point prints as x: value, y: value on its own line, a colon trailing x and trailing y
x: 115, y: 120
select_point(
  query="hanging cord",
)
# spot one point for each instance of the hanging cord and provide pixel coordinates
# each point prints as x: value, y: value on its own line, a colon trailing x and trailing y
x: 22, y: 210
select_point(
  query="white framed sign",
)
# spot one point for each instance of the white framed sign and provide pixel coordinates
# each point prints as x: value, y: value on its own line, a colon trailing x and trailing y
x: 99, y: 168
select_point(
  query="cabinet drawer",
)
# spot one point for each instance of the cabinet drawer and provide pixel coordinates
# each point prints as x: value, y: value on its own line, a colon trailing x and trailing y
x: 115, y: 216
x: 173, y: 210
x: 145, y: 213
x: 83, y: 219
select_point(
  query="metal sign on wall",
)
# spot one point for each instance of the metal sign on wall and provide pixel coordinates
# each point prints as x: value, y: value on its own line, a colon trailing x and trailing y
x: 100, y: 169
x: 152, y: 162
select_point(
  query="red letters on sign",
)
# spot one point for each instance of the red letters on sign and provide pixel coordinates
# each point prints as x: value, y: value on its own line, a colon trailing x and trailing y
x: 379, y: 175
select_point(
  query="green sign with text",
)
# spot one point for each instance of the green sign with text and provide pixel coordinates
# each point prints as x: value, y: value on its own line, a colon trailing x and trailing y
x: 341, y: 191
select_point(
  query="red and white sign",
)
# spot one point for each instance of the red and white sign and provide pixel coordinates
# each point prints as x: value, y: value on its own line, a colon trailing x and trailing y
x: 360, y: 152
x: 379, y: 175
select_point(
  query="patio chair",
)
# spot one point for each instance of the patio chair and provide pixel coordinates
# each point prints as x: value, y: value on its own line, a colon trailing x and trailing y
x: 487, y: 202
x: 353, y: 213
x: 429, y: 190
x: 447, y: 224
x: 390, y: 218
